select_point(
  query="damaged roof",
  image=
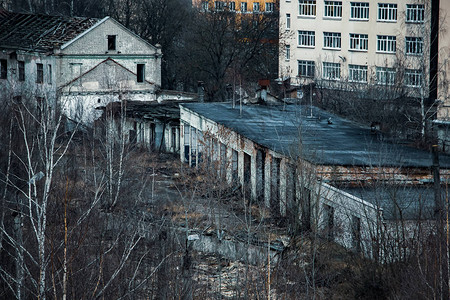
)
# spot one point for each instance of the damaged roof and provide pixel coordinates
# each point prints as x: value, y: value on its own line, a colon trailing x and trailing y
x: 39, y: 32
x: 316, y: 135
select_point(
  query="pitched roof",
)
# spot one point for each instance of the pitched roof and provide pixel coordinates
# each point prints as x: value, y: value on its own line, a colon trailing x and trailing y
x: 40, y: 32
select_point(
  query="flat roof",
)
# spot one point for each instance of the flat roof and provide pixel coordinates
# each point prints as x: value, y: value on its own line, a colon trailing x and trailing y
x: 291, y: 131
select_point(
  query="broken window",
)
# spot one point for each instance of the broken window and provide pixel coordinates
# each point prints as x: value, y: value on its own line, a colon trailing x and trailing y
x: 39, y: 73
x: 21, y: 67
x: 140, y: 72
x: 3, y: 69
x: 111, y: 42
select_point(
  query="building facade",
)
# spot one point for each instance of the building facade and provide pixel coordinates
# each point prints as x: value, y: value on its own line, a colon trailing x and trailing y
x: 247, y: 6
x: 340, y: 180
x: 80, y: 62
x: 358, y: 44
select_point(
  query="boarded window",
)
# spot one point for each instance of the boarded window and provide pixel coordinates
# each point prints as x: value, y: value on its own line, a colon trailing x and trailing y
x: 111, y: 42
x: 140, y: 72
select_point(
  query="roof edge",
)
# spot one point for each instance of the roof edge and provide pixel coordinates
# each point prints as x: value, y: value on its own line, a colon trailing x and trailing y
x: 84, y: 33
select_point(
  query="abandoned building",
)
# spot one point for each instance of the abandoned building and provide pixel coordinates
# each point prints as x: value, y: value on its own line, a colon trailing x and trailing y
x: 151, y: 125
x: 338, y: 178
x: 81, y: 62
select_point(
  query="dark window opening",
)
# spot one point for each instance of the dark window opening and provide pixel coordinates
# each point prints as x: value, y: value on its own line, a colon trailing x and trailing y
x: 40, y: 73
x: 111, y: 42
x: 329, y: 222
x: 3, y: 69
x: 140, y: 72
x: 21, y: 65
x: 275, y: 186
x: 49, y: 74
x: 356, y: 234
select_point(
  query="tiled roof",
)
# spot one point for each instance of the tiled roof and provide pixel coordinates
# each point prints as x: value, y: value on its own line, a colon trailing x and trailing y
x: 39, y: 32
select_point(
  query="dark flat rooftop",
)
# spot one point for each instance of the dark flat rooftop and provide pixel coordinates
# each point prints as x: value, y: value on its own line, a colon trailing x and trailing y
x: 399, y: 202
x: 289, y: 130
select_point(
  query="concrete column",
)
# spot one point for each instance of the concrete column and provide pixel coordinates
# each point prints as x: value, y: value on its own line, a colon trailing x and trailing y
x: 253, y: 179
x: 282, y: 187
x: 241, y: 167
x: 181, y: 135
x: 268, y: 179
x: 229, y: 165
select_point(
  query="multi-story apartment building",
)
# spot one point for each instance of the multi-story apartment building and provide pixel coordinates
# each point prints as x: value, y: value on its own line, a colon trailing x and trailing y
x: 246, y: 6
x: 362, y: 43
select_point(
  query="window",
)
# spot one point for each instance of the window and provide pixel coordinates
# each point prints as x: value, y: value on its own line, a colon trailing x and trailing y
x: 288, y: 52
x: 356, y: 234
x: 49, y: 74
x: 333, y: 9
x: 205, y: 6
x: 414, y: 45
x: 386, y: 76
x: 386, y: 43
x: 329, y: 221
x: 415, y: 13
x: 306, y: 68
x: 219, y: 5
x: 307, y: 7
x: 232, y: 6
x: 243, y: 6
x: 111, y: 42
x: 21, y: 67
x: 413, y: 78
x: 255, y: 6
x: 359, y: 42
x: 140, y: 72
x: 39, y: 73
x: 357, y: 73
x: 306, y: 38
x: 270, y: 7
x: 359, y: 10
x: 3, y: 69
x: 332, y: 40
x: 331, y: 71
x: 288, y: 21
x: 387, y: 12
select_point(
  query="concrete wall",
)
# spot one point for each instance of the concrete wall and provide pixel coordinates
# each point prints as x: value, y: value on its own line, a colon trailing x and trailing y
x: 12, y: 86
x: 287, y: 185
x: 92, y: 48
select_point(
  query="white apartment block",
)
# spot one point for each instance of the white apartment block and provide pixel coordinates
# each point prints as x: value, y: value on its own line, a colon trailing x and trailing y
x: 357, y: 44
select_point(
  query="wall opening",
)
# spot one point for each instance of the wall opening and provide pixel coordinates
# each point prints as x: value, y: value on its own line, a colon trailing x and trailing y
x: 260, y: 174
x: 111, y: 42
x: 275, y: 186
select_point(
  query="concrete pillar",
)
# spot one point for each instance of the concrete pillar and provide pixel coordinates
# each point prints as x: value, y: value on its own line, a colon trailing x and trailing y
x: 181, y: 135
x: 268, y: 179
x: 253, y: 179
x: 282, y: 187
x: 229, y: 165
x: 241, y: 167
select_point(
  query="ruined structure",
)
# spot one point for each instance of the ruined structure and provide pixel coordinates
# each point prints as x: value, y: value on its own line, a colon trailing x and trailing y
x: 337, y: 178
x: 80, y: 62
